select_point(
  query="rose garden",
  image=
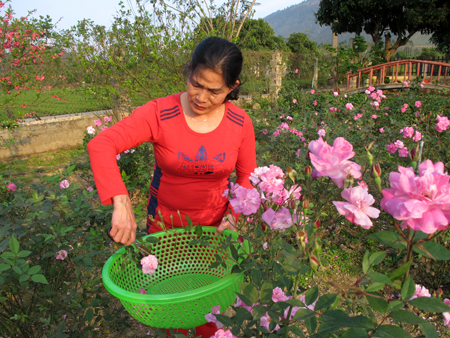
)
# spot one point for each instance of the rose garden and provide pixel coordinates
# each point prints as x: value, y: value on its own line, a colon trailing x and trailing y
x: 347, y: 221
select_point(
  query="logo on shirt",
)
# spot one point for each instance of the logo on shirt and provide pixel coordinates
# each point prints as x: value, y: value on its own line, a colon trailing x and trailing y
x: 201, y: 165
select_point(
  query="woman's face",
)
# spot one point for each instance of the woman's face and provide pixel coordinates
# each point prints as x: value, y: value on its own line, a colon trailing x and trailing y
x: 206, y: 91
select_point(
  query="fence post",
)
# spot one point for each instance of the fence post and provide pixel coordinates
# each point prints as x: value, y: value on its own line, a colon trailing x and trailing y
x: 316, y: 73
x: 276, y: 74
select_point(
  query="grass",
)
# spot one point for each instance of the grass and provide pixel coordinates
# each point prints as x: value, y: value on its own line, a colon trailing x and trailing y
x: 27, y: 169
x: 58, y: 102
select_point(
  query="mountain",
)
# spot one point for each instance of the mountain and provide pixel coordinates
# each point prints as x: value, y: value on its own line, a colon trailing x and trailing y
x: 300, y: 18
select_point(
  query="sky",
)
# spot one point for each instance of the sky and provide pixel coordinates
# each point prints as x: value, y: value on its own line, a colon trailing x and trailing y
x: 102, y: 11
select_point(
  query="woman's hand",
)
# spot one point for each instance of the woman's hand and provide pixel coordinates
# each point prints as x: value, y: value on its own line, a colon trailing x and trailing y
x: 228, y: 222
x: 123, y: 224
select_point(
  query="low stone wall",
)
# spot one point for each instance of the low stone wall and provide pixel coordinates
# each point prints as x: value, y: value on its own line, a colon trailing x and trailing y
x: 49, y: 134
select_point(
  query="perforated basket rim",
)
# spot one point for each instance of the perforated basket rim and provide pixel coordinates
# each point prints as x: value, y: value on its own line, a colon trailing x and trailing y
x: 170, y: 298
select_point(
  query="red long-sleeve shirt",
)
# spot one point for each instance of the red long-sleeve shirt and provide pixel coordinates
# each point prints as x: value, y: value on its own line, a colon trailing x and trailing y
x: 192, y: 169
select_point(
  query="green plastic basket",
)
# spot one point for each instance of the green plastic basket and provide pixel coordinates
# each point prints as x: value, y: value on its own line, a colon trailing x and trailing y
x: 183, y: 288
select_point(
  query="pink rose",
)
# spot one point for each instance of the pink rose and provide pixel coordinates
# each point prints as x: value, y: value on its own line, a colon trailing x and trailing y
x: 104, y: 128
x: 90, y: 189
x: 335, y: 93
x: 315, y: 102
x: 280, y: 220
x: 265, y: 323
x: 442, y: 124
x: 421, y: 202
x: 245, y: 201
x: 212, y: 319
x: 62, y: 254
x: 322, y: 132
x: 333, y: 161
x: 11, y: 187
x: 98, y: 122
x: 371, y: 88
x: 269, y: 179
x: 296, y: 71
x: 278, y: 295
x: 264, y: 246
x: 374, y: 116
x: 391, y: 148
x: 382, y: 130
x: 407, y: 132
x: 107, y: 118
x: 64, y: 184
x: 403, y: 152
x: 399, y: 144
x: 417, y: 136
x: 294, y: 101
x: 349, y: 106
x: 223, y: 334
x: 403, y: 110
x: 406, y: 84
x: 421, y: 291
x: 149, y: 264
x: 312, y: 91
x: 418, y: 104
x: 142, y: 291
x: 446, y: 314
x: 118, y: 157
x: 91, y: 130
x: 358, y: 209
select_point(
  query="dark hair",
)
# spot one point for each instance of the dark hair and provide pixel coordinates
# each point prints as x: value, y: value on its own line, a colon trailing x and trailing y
x: 221, y: 56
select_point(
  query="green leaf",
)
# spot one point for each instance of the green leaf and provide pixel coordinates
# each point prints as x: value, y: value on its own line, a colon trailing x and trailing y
x: 408, y: 288
x: 295, y: 330
x: 89, y: 315
x: 341, y: 319
x: 366, y: 263
x: 378, y: 304
x: 259, y: 311
x: 34, y: 269
x: 274, y: 316
x: 379, y: 277
x: 355, y: 333
x: 14, y: 244
x: 189, y: 220
x: 311, y: 295
x: 39, y: 279
x: 295, y: 302
x: 396, y: 274
x: 428, y: 330
x: 225, y: 320
x: 24, y: 278
x: 436, y: 250
x: 389, y: 238
x: 17, y: 269
x: 4, y: 267
x: 251, y: 292
x: 325, y: 301
x: 430, y: 304
x: 256, y: 275
x: 198, y: 230
x: 375, y: 287
x: 234, y: 252
x: 311, y: 324
x: 390, y: 331
x: 303, y: 314
x: 395, y: 305
x: 152, y: 239
x: 23, y: 253
x: 404, y: 316
x: 377, y: 257
x: 266, y: 292
x: 244, y: 299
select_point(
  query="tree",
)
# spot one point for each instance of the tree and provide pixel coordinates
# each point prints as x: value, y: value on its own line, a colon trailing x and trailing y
x: 202, y: 15
x: 257, y: 35
x: 300, y: 43
x: 379, y: 18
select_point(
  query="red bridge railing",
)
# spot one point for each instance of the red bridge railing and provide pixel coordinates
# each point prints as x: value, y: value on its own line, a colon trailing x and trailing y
x: 400, y: 71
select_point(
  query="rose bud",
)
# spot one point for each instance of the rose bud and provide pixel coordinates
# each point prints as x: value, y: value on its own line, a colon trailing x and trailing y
x: 291, y: 204
x: 376, y: 173
x: 302, y: 197
x: 305, y: 204
x: 314, y: 263
x: 308, y: 155
x: 263, y: 226
x: 308, y: 170
x: 241, y: 239
x: 317, y: 224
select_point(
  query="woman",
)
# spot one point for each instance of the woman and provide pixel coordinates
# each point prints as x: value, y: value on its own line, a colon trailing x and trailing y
x: 199, y: 138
